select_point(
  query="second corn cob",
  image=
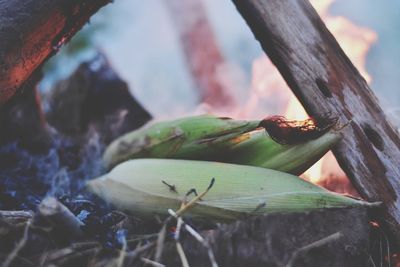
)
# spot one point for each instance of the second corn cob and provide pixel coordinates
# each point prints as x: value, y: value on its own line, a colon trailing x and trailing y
x: 220, y: 139
x: 191, y: 137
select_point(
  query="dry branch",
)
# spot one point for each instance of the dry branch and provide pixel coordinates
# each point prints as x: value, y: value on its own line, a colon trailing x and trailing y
x: 31, y: 31
x: 15, y: 217
x: 60, y: 217
x: 327, y: 84
x: 201, y: 50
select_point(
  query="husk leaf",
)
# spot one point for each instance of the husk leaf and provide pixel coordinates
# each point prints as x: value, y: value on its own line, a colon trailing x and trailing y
x: 136, y: 186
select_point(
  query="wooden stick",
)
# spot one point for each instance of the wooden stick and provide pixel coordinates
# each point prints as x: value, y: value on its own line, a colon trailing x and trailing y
x: 201, y: 50
x: 15, y: 217
x: 328, y: 85
x: 319, y: 243
x: 60, y: 217
x: 31, y: 31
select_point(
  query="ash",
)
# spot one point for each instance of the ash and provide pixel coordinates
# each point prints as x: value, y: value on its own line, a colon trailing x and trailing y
x: 45, y: 161
x: 26, y: 178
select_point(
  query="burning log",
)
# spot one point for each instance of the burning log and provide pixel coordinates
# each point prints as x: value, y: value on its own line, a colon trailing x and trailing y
x: 201, y: 50
x: 32, y: 31
x: 328, y: 85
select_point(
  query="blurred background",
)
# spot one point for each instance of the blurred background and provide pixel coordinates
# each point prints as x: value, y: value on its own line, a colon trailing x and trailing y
x: 142, y: 40
x: 195, y: 56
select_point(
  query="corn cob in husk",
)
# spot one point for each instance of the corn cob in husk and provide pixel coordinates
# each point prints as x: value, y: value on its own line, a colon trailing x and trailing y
x: 139, y: 186
x: 258, y: 149
x: 191, y: 138
x: 219, y: 139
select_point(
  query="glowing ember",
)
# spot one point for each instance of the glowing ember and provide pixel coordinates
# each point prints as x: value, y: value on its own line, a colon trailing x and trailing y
x: 374, y: 224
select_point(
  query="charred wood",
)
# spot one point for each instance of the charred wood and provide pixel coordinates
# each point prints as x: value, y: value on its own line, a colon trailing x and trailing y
x: 95, y: 97
x: 32, y: 31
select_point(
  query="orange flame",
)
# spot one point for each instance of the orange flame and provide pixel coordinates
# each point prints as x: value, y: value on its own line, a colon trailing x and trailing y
x: 354, y: 40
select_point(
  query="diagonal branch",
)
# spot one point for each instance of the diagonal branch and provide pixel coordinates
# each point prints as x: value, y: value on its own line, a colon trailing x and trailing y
x: 327, y: 84
x: 31, y: 31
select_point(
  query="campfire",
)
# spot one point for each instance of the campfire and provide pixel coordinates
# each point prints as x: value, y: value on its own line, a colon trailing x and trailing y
x: 301, y: 170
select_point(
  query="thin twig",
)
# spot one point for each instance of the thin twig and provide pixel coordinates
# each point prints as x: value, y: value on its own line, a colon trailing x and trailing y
x: 132, y: 255
x: 381, y: 250
x: 18, y: 247
x: 181, y: 254
x: 154, y: 263
x: 178, y: 228
x: 388, y: 249
x: 62, y: 256
x: 198, y: 237
x: 141, y: 237
x: 184, y: 207
x: 316, y: 244
x: 21, y: 260
x: 179, y: 247
x: 140, y: 249
x: 160, y: 242
x: 195, y: 199
x: 372, y: 261
x: 382, y: 233
x: 120, y: 260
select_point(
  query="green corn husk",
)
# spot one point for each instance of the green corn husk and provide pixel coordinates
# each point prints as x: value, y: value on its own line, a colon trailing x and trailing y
x: 191, y: 137
x: 214, y: 139
x: 258, y: 149
x: 137, y: 186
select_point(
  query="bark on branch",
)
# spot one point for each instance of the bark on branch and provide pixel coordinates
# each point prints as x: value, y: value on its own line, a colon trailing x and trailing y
x: 31, y: 31
x: 201, y: 50
x: 327, y: 84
